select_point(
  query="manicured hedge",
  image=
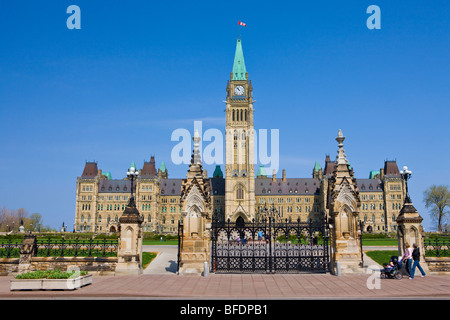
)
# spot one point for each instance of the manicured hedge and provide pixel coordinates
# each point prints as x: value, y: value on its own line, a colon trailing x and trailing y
x: 49, y: 274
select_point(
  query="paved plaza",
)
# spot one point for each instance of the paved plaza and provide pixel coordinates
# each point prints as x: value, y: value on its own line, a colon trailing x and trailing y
x: 246, y: 286
x: 159, y: 281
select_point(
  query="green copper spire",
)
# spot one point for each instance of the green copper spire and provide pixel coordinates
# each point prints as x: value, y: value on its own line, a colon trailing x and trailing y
x: 107, y: 175
x: 261, y: 172
x: 317, y: 167
x: 162, y: 167
x: 218, y: 173
x: 373, y: 174
x: 239, y: 70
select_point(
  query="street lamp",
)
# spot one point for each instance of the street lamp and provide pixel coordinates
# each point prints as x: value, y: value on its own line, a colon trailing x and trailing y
x: 132, y: 175
x: 406, y: 175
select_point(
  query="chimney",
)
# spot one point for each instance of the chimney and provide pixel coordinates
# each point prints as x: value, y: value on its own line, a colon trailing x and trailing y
x: 381, y: 174
x: 284, y: 175
x: 274, y: 177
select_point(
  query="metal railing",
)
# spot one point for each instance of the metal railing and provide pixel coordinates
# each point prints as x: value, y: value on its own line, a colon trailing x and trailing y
x: 437, y: 247
x: 76, y: 248
x: 10, y: 248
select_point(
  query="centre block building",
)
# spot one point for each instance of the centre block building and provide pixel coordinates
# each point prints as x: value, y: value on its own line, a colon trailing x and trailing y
x: 242, y: 192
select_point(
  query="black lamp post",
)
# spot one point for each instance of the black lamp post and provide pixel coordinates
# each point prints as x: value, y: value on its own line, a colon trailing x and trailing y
x: 406, y: 175
x: 132, y: 175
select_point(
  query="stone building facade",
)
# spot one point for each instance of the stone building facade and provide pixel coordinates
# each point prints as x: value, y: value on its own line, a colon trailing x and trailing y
x: 239, y: 193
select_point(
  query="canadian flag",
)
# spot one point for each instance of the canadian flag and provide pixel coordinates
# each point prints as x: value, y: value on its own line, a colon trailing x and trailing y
x: 242, y: 24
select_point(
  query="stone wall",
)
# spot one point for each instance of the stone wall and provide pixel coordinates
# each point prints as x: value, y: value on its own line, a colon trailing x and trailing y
x: 438, y: 265
x: 9, y: 266
x: 94, y: 265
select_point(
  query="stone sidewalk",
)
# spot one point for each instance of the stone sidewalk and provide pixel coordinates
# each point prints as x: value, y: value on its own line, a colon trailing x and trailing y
x: 245, y: 286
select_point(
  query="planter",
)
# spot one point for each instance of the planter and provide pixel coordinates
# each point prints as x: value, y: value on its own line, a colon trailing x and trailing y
x: 51, y: 284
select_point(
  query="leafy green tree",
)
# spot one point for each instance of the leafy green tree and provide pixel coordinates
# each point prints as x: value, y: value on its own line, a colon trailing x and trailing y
x: 35, y: 221
x: 437, y: 199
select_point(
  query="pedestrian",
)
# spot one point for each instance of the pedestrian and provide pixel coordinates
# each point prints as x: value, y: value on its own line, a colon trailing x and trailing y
x: 416, y: 262
x: 407, y: 258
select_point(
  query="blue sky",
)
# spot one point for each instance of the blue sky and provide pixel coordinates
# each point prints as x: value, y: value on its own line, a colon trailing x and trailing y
x: 115, y: 90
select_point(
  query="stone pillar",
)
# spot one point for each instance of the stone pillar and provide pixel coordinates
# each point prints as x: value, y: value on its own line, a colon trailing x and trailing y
x: 130, y: 241
x: 195, y: 202
x: 195, y: 245
x: 410, y: 231
x: 343, y: 206
x: 27, y: 251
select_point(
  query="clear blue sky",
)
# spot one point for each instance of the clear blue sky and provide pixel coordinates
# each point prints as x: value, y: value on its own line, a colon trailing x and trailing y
x: 115, y: 90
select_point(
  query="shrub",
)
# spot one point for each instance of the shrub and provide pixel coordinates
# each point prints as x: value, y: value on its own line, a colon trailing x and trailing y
x: 49, y: 274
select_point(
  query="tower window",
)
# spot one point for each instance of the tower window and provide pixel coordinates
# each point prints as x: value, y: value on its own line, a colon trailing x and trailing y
x: 239, y: 193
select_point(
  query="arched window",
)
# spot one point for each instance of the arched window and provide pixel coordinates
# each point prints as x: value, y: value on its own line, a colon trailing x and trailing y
x: 233, y: 116
x: 239, y: 193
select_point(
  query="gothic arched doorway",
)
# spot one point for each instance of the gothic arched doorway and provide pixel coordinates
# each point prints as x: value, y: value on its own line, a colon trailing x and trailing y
x: 240, y: 223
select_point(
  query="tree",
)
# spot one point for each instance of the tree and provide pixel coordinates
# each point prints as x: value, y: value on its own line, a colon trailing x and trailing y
x: 35, y: 221
x: 437, y: 198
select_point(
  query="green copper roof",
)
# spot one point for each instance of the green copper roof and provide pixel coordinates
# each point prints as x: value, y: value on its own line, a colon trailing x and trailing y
x: 261, y: 171
x: 107, y: 175
x: 162, y: 167
x: 133, y: 166
x: 317, y: 166
x: 218, y: 173
x: 373, y: 174
x: 239, y: 70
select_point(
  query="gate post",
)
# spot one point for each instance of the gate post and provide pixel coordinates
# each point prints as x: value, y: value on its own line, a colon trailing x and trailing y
x: 343, y: 206
x: 409, y: 225
x: 195, y: 203
x: 129, y: 253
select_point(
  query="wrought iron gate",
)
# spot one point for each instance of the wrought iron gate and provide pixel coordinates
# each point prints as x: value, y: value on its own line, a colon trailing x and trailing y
x: 269, y: 246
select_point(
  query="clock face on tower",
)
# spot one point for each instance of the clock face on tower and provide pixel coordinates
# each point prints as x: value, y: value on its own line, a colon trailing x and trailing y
x: 239, y: 90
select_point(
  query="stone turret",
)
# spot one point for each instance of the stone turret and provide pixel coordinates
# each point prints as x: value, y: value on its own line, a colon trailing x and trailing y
x: 195, y: 202
x: 343, y: 206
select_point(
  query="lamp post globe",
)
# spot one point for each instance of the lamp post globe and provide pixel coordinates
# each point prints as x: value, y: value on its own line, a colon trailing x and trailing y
x: 406, y: 175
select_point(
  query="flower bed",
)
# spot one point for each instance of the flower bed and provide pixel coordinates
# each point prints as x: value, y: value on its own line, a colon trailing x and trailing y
x: 50, y: 280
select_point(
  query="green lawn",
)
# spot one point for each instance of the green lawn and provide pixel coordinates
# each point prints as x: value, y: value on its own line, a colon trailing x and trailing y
x: 148, y: 257
x: 380, y: 242
x: 381, y: 257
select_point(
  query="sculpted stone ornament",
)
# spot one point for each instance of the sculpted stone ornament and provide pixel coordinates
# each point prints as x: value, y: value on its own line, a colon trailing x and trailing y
x: 195, y: 202
x: 343, y: 207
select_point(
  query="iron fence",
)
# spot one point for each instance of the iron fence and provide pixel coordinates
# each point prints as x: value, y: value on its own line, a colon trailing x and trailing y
x: 76, y: 248
x: 269, y: 246
x: 10, y: 248
x: 437, y: 247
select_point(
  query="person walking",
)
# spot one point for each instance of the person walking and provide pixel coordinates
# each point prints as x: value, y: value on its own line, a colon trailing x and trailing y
x: 416, y: 262
x: 407, y: 258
